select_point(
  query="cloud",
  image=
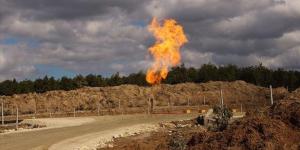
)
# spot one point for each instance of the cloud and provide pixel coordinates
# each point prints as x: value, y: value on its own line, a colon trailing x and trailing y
x: 111, y: 36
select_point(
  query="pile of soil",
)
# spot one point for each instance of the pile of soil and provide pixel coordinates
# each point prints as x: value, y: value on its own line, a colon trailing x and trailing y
x: 172, y: 135
x: 287, y: 111
x: 129, y: 96
x: 278, y: 129
x: 295, y: 95
x: 249, y: 133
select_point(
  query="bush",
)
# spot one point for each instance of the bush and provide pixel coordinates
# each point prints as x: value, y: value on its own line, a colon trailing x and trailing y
x: 177, y: 142
x: 222, y: 117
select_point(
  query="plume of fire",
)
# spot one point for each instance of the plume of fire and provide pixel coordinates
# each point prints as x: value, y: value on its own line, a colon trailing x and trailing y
x: 166, y: 50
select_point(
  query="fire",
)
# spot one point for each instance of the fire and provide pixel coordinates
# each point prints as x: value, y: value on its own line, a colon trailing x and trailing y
x: 166, y: 50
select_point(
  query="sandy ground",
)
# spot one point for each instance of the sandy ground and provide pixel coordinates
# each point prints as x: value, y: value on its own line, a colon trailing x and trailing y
x: 52, y: 123
x: 100, y: 139
x: 101, y: 129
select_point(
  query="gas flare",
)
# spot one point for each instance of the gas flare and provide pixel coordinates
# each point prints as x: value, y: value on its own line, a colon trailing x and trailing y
x: 166, y: 50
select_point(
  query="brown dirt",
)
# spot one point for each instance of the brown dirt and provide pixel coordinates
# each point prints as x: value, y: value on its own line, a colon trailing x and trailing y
x: 295, y: 95
x: 249, y: 133
x: 277, y: 130
x: 131, y: 96
x: 288, y: 111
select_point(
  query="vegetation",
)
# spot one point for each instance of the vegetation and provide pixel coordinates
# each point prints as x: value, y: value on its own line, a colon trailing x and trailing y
x: 222, y: 117
x: 258, y: 75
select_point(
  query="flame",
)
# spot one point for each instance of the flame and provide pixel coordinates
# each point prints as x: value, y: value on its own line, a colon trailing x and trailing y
x: 166, y: 50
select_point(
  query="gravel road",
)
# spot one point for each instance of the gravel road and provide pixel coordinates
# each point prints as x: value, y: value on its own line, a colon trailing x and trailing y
x: 43, y: 139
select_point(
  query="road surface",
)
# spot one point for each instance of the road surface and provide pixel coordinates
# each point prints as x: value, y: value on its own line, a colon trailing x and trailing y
x: 43, y: 139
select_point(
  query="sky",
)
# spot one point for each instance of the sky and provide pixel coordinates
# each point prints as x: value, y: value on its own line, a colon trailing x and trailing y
x: 69, y: 37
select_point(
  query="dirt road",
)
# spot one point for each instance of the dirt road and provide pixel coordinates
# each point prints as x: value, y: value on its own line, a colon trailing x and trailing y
x: 43, y: 139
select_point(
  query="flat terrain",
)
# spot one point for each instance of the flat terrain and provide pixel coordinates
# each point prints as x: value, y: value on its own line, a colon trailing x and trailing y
x: 43, y: 139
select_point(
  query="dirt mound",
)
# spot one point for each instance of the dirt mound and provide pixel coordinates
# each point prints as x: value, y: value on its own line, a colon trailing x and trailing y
x: 279, y: 130
x: 288, y: 111
x: 250, y: 133
x: 89, y: 98
x: 294, y: 95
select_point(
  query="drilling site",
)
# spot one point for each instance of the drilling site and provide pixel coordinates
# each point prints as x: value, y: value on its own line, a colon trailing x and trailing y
x: 68, y: 76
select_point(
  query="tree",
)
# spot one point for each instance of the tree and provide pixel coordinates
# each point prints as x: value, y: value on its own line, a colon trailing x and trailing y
x: 25, y: 86
x: 208, y: 72
x: 136, y: 78
x: 67, y: 84
x: 8, y: 87
x: 228, y: 73
x: 115, y: 79
x: 80, y: 81
x: 177, y: 75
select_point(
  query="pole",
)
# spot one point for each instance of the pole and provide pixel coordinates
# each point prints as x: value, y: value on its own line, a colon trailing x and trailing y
x: 98, y: 110
x: 271, y: 92
x: 204, y: 100
x: 2, y: 114
x: 148, y: 106
x: 35, y: 108
x: 222, y: 101
x: 74, y: 112
x: 119, y: 104
x: 17, y: 120
x: 241, y: 107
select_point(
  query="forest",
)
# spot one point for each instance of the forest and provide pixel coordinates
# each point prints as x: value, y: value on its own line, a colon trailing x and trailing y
x: 258, y: 75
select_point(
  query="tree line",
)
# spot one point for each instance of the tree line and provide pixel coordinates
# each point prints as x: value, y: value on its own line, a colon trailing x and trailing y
x: 258, y: 75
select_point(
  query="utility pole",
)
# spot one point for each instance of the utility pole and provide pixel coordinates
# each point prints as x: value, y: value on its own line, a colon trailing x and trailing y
x: 2, y: 114
x: 271, y: 92
x: 17, y: 120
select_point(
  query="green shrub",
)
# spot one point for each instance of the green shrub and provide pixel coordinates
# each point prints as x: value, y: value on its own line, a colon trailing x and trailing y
x: 222, y: 117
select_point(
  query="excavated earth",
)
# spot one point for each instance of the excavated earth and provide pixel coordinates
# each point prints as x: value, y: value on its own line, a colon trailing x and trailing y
x: 132, y: 96
x: 276, y: 128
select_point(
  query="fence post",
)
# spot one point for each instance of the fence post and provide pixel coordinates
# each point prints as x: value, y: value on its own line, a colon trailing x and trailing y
x: 17, y: 120
x: 98, y: 109
x: 35, y: 105
x: 222, y: 100
x: 2, y: 114
x: 241, y: 107
x: 148, y: 106
x: 74, y: 112
x: 120, y: 106
x: 271, y: 92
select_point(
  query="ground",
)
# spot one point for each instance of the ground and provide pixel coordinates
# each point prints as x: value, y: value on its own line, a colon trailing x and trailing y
x: 44, y: 139
x: 277, y: 128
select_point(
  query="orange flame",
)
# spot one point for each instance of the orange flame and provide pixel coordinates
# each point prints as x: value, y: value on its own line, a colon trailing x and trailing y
x: 169, y: 38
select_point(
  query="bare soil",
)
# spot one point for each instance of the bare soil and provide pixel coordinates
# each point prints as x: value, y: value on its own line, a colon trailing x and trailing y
x: 277, y: 128
x: 132, y: 96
